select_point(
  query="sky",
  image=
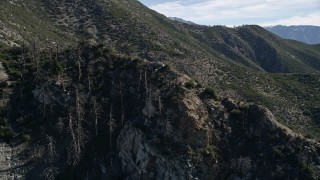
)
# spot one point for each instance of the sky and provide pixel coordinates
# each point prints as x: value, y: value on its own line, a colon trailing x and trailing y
x: 240, y: 12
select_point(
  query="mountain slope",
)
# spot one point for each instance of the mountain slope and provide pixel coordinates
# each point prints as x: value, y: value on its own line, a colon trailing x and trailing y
x: 306, y: 34
x: 230, y: 59
x: 87, y: 112
x: 24, y: 22
x: 165, y: 66
x: 236, y: 61
x: 125, y: 26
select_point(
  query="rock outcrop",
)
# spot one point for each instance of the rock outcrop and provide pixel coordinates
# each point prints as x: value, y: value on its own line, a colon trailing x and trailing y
x: 217, y: 140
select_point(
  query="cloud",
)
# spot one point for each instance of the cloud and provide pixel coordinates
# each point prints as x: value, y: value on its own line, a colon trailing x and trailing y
x: 241, y: 12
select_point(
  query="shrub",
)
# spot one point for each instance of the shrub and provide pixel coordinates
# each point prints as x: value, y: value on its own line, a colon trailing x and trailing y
x: 309, y: 171
x: 26, y: 137
x: 211, y: 92
x: 56, y: 68
x: 309, y: 136
x: 209, y: 150
x: 190, y: 84
x: 277, y: 152
x: 5, y: 132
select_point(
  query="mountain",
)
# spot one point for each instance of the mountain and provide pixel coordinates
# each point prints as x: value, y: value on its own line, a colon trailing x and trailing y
x: 182, y: 20
x: 113, y: 90
x: 305, y: 34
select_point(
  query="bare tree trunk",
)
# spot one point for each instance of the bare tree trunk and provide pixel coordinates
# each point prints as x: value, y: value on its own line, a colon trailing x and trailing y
x: 112, y: 125
x: 34, y: 52
x: 57, y: 52
x: 51, y: 171
x: 160, y: 103
x: 79, y: 117
x: 43, y: 103
x: 121, y: 102
x: 79, y: 68
x: 76, y: 130
x: 146, y: 83
x: 96, y: 121
x: 73, y: 153
x: 96, y: 113
x: 22, y: 66
x: 139, y: 84
x: 50, y: 53
x: 90, y: 72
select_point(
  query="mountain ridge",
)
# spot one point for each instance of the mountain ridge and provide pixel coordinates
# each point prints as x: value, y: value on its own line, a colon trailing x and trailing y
x: 304, y: 33
x: 182, y: 20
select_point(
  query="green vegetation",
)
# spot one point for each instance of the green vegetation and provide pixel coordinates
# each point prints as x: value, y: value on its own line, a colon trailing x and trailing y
x: 309, y: 170
x: 211, y: 92
x: 5, y: 130
x: 190, y: 84
x: 199, y: 153
x: 21, y: 27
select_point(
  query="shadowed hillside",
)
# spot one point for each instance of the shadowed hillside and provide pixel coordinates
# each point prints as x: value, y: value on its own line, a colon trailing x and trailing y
x: 111, y: 89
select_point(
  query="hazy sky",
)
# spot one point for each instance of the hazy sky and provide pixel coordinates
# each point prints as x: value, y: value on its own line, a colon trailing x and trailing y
x: 239, y: 12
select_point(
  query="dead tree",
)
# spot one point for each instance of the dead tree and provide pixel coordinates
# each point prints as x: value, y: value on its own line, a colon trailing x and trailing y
x: 51, y: 149
x: 73, y: 155
x: 76, y: 130
x: 79, y: 108
x: 95, y: 113
x: 160, y: 104
x: 157, y: 98
x: 34, y: 52
x: 112, y: 125
x: 57, y: 52
x: 22, y: 59
x: 44, y: 102
x: 50, y: 173
x: 146, y: 83
x: 79, y: 67
x: 23, y: 62
x: 90, y: 73
x: 50, y: 53
x: 121, y: 93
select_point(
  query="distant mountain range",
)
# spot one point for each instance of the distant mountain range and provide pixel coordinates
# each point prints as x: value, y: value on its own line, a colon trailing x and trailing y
x: 306, y: 34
